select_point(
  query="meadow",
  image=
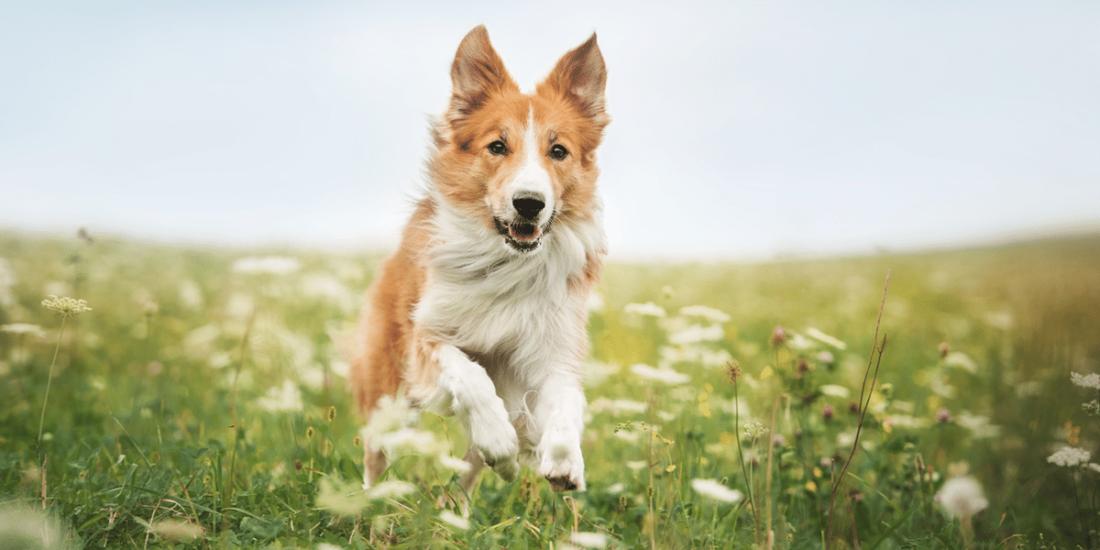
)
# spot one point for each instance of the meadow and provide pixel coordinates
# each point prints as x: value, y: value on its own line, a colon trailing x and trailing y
x: 200, y: 403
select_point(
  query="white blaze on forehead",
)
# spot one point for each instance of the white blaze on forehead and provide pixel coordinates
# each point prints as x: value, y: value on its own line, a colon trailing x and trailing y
x: 532, y: 176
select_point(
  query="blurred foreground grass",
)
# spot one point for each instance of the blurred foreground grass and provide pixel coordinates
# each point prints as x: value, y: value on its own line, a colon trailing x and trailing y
x: 201, y: 403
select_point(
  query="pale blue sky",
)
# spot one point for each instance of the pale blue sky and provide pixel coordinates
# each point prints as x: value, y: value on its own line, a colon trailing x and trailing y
x: 740, y: 129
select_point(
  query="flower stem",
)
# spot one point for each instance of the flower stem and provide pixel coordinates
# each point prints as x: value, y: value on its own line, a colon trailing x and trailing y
x: 56, y: 349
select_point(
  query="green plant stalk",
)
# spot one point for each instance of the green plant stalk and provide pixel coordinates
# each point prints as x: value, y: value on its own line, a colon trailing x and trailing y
x: 49, y: 381
x: 741, y: 456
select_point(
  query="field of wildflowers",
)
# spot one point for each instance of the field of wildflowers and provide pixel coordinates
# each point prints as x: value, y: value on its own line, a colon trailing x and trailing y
x: 160, y: 396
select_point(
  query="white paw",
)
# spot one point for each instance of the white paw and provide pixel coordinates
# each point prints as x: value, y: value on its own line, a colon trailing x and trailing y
x: 560, y: 459
x: 495, y: 437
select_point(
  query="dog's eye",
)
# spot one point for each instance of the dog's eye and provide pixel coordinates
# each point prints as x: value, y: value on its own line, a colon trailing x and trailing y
x: 498, y: 148
x: 557, y: 152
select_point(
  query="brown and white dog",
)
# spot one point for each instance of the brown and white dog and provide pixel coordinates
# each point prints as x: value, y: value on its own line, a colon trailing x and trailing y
x: 481, y: 312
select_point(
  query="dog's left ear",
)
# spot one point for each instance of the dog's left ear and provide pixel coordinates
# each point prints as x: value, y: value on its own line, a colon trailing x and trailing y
x: 581, y: 76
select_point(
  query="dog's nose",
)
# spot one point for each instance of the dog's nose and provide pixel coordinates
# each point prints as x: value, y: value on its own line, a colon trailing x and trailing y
x: 529, y: 205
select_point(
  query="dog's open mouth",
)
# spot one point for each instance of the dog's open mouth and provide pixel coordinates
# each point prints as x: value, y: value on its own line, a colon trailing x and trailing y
x: 521, y: 236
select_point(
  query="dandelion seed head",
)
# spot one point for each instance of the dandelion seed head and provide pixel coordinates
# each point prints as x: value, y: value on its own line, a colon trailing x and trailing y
x: 961, y: 497
x: 65, y: 306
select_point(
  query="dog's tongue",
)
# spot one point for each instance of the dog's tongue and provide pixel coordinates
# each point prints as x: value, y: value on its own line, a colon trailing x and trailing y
x: 524, y: 233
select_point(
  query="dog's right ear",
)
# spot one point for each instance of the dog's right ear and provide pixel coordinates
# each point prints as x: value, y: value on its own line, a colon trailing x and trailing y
x: 477, y: 73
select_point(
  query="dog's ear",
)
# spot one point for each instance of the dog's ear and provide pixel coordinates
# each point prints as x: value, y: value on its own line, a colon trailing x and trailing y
x: 477, y: 73
x: 581, y: 77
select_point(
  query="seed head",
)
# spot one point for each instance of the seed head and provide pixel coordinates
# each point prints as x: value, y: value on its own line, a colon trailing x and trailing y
x: 733, y: 370
x: 309, y: 432
x: 331, y: 414
x: 827, y: 412
x: 779, y: 336
x: 943, y: 416
x: 66, y: 307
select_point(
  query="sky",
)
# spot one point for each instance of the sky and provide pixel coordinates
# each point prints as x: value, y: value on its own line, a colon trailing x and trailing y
x: 740, y: 130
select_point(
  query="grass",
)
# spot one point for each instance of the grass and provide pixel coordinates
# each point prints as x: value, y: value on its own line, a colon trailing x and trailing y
x: 201, y: 404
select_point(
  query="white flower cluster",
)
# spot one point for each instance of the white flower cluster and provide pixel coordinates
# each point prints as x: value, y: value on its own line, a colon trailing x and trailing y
x: 1086, y: 381
x: 1069, y: 456
x: 714, y: 490
x: 274, y: 265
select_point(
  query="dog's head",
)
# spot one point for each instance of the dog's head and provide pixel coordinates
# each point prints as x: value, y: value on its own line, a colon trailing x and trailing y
x: 518, y: 162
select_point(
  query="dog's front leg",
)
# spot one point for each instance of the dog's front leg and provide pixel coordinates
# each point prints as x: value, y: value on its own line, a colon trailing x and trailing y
x: 560, y: 414
x: 465, y: 389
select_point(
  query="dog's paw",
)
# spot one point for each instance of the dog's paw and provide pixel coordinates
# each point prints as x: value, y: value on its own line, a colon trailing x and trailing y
x: 560, y: 460
x: 495, y: 438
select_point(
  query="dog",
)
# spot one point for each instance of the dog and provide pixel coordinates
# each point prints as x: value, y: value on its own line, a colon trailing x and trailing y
x: 482, y: 310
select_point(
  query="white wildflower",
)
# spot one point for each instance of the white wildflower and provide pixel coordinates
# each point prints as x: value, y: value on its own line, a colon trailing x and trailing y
x: 978, y: 425
x: 454, y: 520
x: 1069, y: 456
x: 664, y: 376
x: 961, y: 360
x: 190, y: 295
x: 831, y: 340
x: 616, y: 406
x: 391, y: 414
x: 696, y: 333
x: 754, y: 429
x: 636, y: 464
x: 7, y: 281
x: 833, y: 390
x: 714, y: 490
x: 341, y: 499
x: 408, y: 441
x: 274, y: 265
x: 285, y: 398
x: 648, y: 308
x: 1094, y: 467
x: 961, y: 497
x: 1086, y: 381
x: 327, y: 546
x: 616, y: 489
x: 704, y: 312
x: 65, y: 306
x: 454, y: 464
x: 24, y: 329
x: 390, y: 489
x: 588, y: 539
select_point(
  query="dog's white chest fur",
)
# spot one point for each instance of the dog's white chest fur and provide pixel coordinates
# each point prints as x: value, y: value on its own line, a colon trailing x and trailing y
x: 489, y: 301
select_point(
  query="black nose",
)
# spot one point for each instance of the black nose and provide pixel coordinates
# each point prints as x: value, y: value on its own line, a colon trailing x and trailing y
x: 528, y: 206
